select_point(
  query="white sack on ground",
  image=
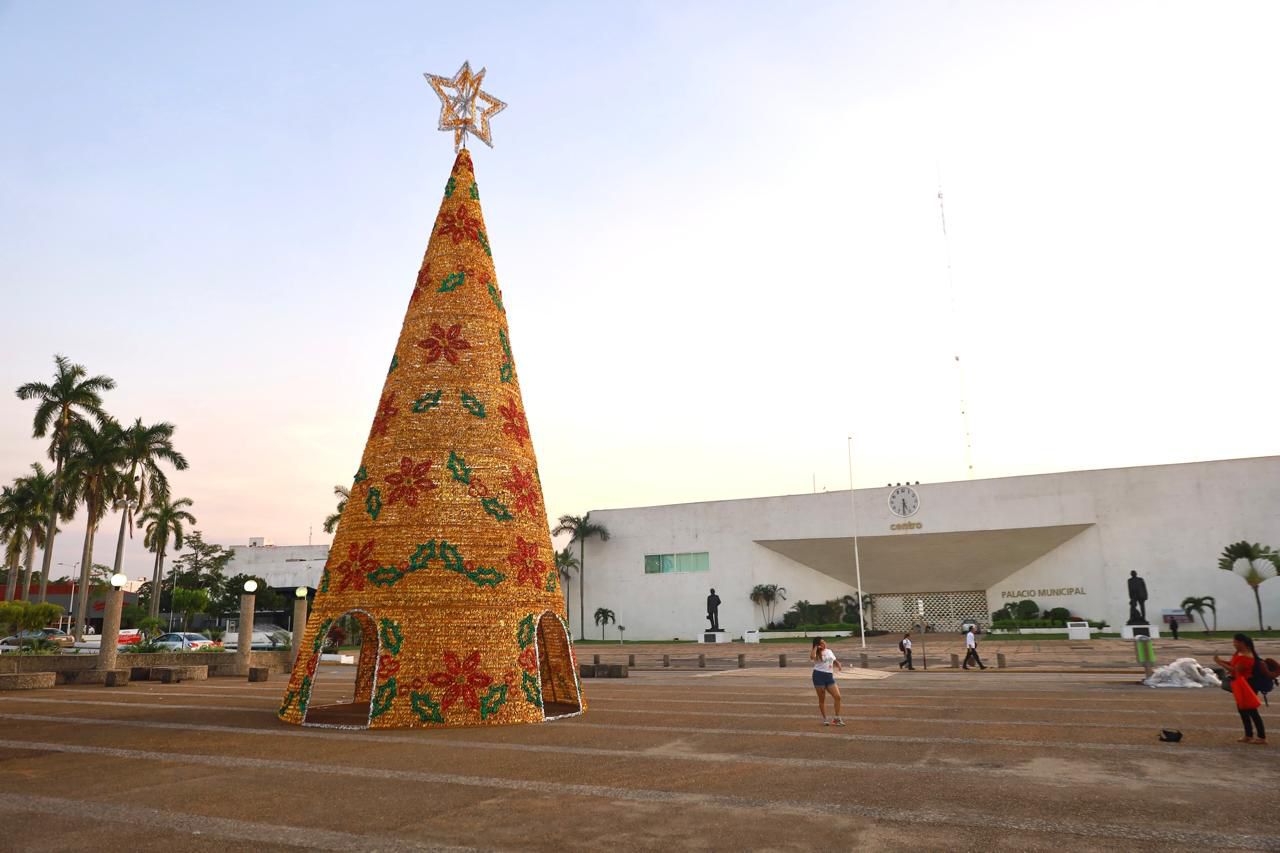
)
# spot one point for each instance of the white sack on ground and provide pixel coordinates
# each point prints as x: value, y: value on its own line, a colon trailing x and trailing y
x: 1183, y: 672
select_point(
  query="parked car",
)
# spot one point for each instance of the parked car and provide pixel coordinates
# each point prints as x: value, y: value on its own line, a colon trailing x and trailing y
x: 269, y: 639
x: 180, y: 641
x: 53, y: 635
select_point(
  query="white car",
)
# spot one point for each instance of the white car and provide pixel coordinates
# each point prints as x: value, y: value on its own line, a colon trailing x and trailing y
x: 184, y: 642
x: 263, y: 640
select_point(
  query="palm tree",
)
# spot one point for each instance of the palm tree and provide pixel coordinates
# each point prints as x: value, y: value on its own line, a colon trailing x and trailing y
x: 164, y: 520
x: 767, y: 596
x: 145, y: 447
x: 331, y: 522
x: 581, y: 529
x: 566, y: 564
x: 1253, y: 562
x: 38, y: 489
x: 69, y: 398
x: 603, y: 617
x: 14, y: 534
x: 1197, y: 605
x: 93, y: 472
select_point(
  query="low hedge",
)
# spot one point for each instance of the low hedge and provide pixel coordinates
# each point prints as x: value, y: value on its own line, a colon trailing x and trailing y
x: 1011, y: 624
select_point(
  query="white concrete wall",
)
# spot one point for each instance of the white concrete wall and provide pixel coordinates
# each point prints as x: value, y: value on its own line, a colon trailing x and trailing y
x: 1168, y: 522
x: 280, y: 566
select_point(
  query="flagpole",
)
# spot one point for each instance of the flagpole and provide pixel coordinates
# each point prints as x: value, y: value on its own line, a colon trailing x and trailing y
x: 857, y: 565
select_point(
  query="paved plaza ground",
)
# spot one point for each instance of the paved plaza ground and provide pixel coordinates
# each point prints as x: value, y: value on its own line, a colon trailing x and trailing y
x: 682, y: 759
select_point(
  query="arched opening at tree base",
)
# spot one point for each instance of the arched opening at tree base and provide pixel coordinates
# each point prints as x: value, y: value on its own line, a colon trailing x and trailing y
x: 560, y: 689
x: 353, y: 713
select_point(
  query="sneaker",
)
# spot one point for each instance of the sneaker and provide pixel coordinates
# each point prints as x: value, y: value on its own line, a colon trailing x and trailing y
x: 840, y: 722
x: 826, y: 722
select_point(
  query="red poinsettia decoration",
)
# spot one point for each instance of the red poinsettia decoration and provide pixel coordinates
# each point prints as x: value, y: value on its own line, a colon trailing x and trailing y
x: 459, y: 225
x: 444, y: 342
x: 386, y: 411
x: 460, y: 680
x: 529, y: 659
x: 407, y: 482
x: 525, y: 489
x: 356, y: 567
x: 422, y: 284
x: 525, y: 561
x: 516, y: 426
x: 387, y: 666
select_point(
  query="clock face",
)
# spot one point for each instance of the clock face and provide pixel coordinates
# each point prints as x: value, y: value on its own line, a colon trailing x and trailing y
x: 904, y: 502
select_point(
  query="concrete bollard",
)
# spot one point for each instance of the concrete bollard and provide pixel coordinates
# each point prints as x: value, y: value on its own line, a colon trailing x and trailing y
x: 259, y: 673
x: 865, y: 663
x: 742, y: 661
x: 586, y: 670
x: 666, y: 660
x: 616, y: 670
x: 782, y: 660
x: 955, y: 661
x: 116, y: 678
x: 631, y: 660
x: 595, y: 659
x: 1000, y: 661
x: 702, y: 661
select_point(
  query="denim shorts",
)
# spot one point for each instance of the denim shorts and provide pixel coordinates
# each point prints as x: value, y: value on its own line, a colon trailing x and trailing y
x: 823, y: 679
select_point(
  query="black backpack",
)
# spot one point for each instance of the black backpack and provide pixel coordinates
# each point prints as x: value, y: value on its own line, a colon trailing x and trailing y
x: 902, y: 645
x: 1261, y: 680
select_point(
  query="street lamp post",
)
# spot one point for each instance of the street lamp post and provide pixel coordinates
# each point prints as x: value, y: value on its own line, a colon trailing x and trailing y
x: 244, y: 643
x: 299, y: 619
x: 71, y: 608
x: 111, y: 623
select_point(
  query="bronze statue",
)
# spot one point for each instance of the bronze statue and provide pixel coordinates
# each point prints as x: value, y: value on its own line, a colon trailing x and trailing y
x: 713, y: 610
x: 1137, y: 600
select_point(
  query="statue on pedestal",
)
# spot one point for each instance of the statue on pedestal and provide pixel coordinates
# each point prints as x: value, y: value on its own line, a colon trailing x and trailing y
x: 713, y: 610
x: 1137, y: 600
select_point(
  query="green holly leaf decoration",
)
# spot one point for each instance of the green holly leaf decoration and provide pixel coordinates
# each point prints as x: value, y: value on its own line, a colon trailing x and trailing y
x: 451, y: 558
x: 424, y: 554
x: 485, y: 576
x: 323, y: 631
x: 391, y: 636
x: 475, y: 191
x: 395, y: 362
x: 529, y: 684
x: 494, y: 699
x: 361, y: 476
x: 450, y: 187
x: 484, y: 241
x: 496, y: 297
x: 385, y: 575
x: 382, y: 699
x: 506, y: 344
x: 452, y: 282
x: 525, y: 631
x: 472, y: 405
x: 304, y: 694
x: 288, y: 700
x: 427, y: 709
x: 427, y: 401
x: 506, y: 373
x: 496, y: 508
x: 458, y: 467
x: 551, y: 581
x: 324, y: 581
x: 373, y: 503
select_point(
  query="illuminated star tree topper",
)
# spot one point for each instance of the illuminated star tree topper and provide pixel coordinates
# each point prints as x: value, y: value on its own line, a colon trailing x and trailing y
x: 464, y: 106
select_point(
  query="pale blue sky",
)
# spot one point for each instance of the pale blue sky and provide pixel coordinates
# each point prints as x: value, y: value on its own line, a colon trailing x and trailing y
x: 715, y: 224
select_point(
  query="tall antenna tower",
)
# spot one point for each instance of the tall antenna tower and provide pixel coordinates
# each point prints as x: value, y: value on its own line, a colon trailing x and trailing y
x: 955, y: 337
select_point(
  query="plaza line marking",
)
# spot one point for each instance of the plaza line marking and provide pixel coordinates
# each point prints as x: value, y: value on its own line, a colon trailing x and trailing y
x: 378, y: 736
x: 710, y: 801
x: 115, y: 811
x: 855, y: 698
x: 949, y: 721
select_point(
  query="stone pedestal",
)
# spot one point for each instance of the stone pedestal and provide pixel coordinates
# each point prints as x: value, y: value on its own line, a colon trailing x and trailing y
x: 110, y: 630
x: 1128, y: 632
x: 721, y: 636
x: 244, y: 641
x: 299, y: 624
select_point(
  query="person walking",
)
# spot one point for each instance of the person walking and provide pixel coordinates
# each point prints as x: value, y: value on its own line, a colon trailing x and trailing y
x: 824, y: 679
x: 1242, y: 666
x: 971, y: 648
x: 904, y: 646
x: 1173, y: 627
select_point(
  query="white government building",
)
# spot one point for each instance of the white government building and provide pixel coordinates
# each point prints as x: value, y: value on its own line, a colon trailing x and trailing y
x: 964, y: 548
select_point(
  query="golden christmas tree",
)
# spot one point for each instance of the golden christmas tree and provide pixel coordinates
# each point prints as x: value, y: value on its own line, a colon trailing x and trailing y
x: 443, y: 555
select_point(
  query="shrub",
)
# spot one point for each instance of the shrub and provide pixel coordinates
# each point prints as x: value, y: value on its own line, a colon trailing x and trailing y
x: 1062, y: 614
x: 1026, y: 609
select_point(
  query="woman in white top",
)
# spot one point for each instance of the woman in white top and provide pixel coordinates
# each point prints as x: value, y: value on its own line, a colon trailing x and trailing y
x: 824, y: 680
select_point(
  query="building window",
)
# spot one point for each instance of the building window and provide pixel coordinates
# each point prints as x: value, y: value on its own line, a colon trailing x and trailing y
x: 661, y: 564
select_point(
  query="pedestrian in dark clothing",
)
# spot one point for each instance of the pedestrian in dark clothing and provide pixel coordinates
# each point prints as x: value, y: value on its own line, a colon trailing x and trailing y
x: 904, y: 646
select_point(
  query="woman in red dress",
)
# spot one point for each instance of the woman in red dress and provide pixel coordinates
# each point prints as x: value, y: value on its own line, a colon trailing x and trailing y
x: 1241, y: 668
